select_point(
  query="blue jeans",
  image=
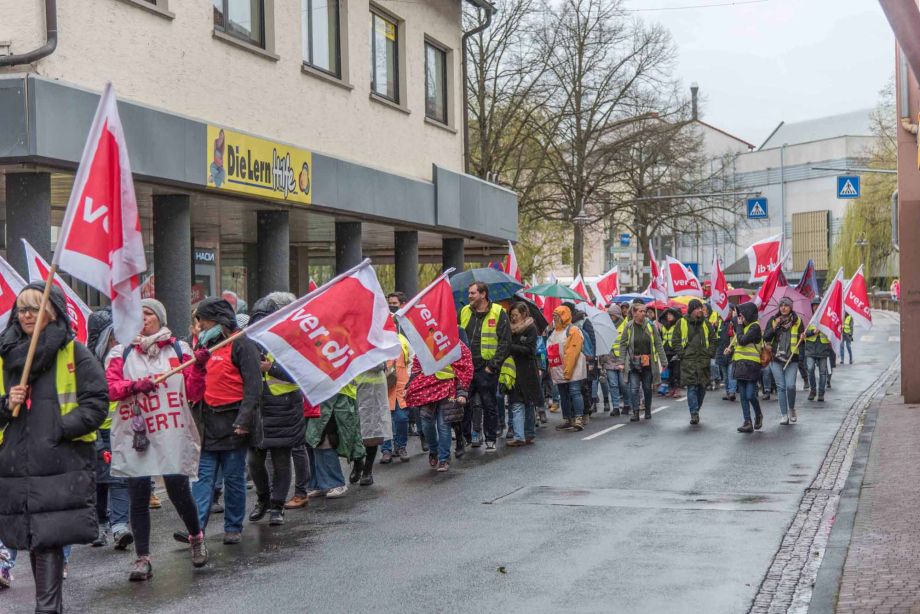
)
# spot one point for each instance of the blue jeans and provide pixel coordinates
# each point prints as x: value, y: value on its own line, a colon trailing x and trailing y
x: 766, y: 380
x: 617, y: 388
x: 519, y: 413
x: 327, y: 470
x: 573, y: 404
x: 748, y: 390
x: 731, y: 384
x: 847, y: 349
x: 233, y: 464
x: 695, y: 395
x: 530, y: 422
x: 437, y: 434
x: 400, y: 418
x: 640, y: 382
x: 821, y: 363
x: 785, y: 384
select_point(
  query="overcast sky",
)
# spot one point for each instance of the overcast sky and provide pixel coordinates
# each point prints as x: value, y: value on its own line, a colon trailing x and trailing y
x: 761, y: 63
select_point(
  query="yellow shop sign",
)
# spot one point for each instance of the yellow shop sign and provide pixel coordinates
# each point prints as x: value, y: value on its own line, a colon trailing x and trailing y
x: 250, y: 165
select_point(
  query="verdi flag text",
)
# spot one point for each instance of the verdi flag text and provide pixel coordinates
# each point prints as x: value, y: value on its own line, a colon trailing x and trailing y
x: 429, y: 322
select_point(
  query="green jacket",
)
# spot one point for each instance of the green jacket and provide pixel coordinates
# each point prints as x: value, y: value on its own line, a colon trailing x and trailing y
x: 344, y: 410
x: 695, y: 351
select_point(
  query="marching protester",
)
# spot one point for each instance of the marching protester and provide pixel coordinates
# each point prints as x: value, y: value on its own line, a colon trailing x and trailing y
x: 745, y: 352
x: 782, y: 333
x: 695, y: 343
x: 668, y: 322
x: 612, y: 376
x: 847, y: 345
x: 489, y: 331
x: 375, y: 421
x: 643, y: 354
x: 588, y: 349
x: 282, y: 425
x: 333, y: 431
x: 567, y: 366
x: 396, y: 301
x: 397, y: 376
x: 228, y: 413
x: 526, y: 393
x: 144, y: 447
x: 817, y: 350
x: 50, y: 443
x: 727, y: 329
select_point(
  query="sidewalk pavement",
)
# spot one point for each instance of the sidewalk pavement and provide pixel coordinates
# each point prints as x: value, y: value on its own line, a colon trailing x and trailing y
x: 882, y: 569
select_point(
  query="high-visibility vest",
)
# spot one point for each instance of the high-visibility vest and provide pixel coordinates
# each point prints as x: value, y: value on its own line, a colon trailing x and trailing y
x: 508, y: 374
x: 445, y: 373
x: 407, y: 352
x: 488, y: 337
x: 278, y: 387
x: 848, y: 324
x: 616, y: 344
x: 685, y: 329
x: 667, y: 334
x: 107, y: 423
x: 350, y: 391
x: 65, y: 382
x: 374, y: 376
x: 750, y: 351
x: 651, y: 335
x: 714, y: 319
x: 813, y: 335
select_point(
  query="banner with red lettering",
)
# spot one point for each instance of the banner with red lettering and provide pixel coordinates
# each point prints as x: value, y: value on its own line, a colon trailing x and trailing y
x: 829, y: 317
x: 429, y: 322
x: 718, y: 297
x: 763, y: 256
x: 579, y: 287
x: 658, y: 285
x: 11, y: 284
x: 856, y: 300
x: 682, y: 281
x: 326, y: 338
x: 607, y: 286
x: 77, y: 310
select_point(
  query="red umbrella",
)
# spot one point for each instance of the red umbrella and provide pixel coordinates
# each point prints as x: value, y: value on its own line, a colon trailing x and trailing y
x: 738, y: 292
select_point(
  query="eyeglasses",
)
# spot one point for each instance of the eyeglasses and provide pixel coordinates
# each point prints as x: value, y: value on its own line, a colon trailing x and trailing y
x: 28, y: 309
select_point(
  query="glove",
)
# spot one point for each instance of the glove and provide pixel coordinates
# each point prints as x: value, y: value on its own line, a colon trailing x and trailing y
x: 201, y: 357
x: 143, y: 386
x: 107, y: 457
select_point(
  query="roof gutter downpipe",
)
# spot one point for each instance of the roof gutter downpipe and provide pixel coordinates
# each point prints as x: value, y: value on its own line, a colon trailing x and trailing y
x: 467, y: 157
x: 51, y: 40
x: 904, y: 18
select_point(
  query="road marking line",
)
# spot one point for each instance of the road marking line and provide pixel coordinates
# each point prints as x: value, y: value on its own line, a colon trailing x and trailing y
x: 894, y: 338
x: 655, y: 411
x: 866, y: 338
x: 680, y: 398
x: 604, y: 432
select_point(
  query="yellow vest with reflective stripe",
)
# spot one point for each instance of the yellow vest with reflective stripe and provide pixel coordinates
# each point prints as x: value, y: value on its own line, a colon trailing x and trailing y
x: 488, y: 338
x: 714, y: 319
x: 508, y: 375
x: 651, y: 335
x: 350, y: 391
x: 278, y: 387
x: 65, y: 382
x: 813, y: 335
x: 848, y: 324
x: 445, y: 373
x: 746, y: 352
x: 685, y: 329
x: 407, y: 354
x: 616, y: 344
x: 107, y: 423
x: 667, y: 334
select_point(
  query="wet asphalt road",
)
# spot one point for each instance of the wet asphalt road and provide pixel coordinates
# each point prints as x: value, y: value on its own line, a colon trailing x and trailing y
x: 652, y: 517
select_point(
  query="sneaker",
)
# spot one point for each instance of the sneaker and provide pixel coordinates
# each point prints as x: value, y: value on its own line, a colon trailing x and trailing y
x: 123, y: 539
x: 337, y: 493
x: 155, y: 503
x: 181, y: 536
x: 403, y: 455
x: 297, y: 502
x: 386, y: 458
x: 103, y: 538
x: 477, y: 440
x: 509, y: 434
x: 784, y: 420
x: 443, y: 466
x: 695, y: 417
x: 216, y: 507
x: 232, y: 538
x: 199, y: 551
x: 424, y: 444
x: 500, y: 431
x: 648, y: 414
x: 316, y: 494
x: 565, y: 424
x: 259, y: 511
x: 747, y: 427
x: 792, y: 416
x: 142, y: 570
x: 614, y: 412
x: 6, y: 577
x: 432, y: 461
x: 811, y: 395
x: 276, y: 517
x: 634, y: 417
x: 490, y: 446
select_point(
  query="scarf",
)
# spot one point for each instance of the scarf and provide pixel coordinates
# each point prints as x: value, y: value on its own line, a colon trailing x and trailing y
x: 14, y: 346
x: 151, y: 345
x: 205, y: 337
x: 521, y: 325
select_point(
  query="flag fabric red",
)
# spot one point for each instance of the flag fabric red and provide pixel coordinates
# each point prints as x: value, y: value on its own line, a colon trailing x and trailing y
x: 718, y: 297
x: 763, y: 256
x: 11, y: 284
x: 607, y: 286
x: 511, y: 265
x: 856, y: 300
x: 429, y: 322
x: 829, y: 317
x: 681, y: 280
x: 77, y: 310
x: 549, y: 305
x: 311, y: 286
x: 100, y: 241
x: 774, y: 280
x: 658, y: 286
x: 579, y: 287
x: 329, y: 336
x: 808, y: 285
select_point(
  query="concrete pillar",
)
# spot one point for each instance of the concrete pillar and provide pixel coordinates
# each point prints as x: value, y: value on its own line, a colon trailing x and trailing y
x: 28, y: 216
x: 300, y: 269
x: 251, y: 260
x: 273, y: 247
x: 172, y: 257
x: 347, y: 246
x: 452, y: 254
x: 407, y: 262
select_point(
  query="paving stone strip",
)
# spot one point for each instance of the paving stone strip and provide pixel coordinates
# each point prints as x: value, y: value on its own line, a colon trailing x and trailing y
x: 787, y: 586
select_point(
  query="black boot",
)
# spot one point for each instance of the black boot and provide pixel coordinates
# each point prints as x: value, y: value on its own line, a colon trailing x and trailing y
x: 357, y: 466
x: 648, y: 413
x: 758, y: 421
x: 635, y: 416
x: 276, y: 515
x: 259, y: 511
x: 747, y: 427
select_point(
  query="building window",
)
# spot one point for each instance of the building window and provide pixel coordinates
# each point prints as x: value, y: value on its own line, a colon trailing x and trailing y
x: 384, y: 57
x: 321, y: 35
x: 435, y: 83
x: 242, y: 19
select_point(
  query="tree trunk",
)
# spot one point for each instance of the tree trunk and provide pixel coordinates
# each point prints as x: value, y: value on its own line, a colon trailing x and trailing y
x: 644, y: 242
x: 578, y: 249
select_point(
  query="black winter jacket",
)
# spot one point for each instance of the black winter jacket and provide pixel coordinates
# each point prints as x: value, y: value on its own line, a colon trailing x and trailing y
x: 746, y: 370
x: 282, y: 415
x: 527, y: 388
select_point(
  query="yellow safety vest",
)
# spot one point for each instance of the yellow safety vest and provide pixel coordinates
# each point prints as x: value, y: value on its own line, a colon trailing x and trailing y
x: 750, y: 351
x: 65, y: 382
x: 404, y: 343
x: 714, y: 319
x: 848, y: 324
x: 445, y: 373
x: 508, y: 374
x: 685, y: 329
x: 813, y: 335
x: 651, y: 335
x: 667, y: 334
x: 350, y: 391
x: 488, y: 338
x: 616, y: 344
x: 376, y: 376
x: 278, y: 387
x: 107, y: 423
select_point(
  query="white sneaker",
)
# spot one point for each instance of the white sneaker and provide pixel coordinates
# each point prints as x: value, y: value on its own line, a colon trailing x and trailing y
x: 337, y: 492
x: 792, y: 416
x: 785, y: 420
x: 315, y: 494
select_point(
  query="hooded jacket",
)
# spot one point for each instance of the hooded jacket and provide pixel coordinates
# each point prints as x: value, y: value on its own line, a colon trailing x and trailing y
x: 47, y: 479
x: 563, y: 349
x: 746, y: 370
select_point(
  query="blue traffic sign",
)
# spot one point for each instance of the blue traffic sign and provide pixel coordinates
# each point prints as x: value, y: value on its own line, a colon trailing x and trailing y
x: 625, y: 238
x: 757, y: 209
x: 848, y: 186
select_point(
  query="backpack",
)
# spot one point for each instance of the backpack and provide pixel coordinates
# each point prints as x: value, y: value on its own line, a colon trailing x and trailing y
x: 176, y: 347
x: 541, y: 351
x: 587, y: 347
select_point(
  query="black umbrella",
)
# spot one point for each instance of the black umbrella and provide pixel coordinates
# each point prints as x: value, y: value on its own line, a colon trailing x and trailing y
x: 538, y: 318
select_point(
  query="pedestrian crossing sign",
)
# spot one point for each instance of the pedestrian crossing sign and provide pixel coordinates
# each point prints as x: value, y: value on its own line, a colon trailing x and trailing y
x: 757, y: 209
x: 848, y: 186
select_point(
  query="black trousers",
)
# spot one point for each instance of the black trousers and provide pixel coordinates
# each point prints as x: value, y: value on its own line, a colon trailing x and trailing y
x: 486, y: 386
x: 180, y: 494
x: 275, y: 491
x: 48, y: 571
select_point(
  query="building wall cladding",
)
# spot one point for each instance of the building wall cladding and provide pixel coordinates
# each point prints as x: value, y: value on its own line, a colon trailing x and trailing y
x: 177, y: 64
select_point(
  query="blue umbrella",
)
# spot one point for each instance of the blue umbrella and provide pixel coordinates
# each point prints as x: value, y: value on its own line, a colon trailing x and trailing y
x: 501, y: 285
x: 628, y: 298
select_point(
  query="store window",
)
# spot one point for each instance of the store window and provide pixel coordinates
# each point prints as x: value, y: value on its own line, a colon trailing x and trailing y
x: 321, y: 35
x: 241, y: 19
x: 384, y: 57
x: 435, y: 83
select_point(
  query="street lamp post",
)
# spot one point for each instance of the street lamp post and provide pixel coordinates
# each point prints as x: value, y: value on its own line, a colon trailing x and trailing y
x: 580, y: 221
x: 863, y: 244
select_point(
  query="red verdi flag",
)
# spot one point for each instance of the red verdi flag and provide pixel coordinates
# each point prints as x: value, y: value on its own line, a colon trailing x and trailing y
x: 718, y: 297
x: 682, y: 281
x: 429, y: 322
x: 829, y: 317
x: 578, y: 286
x: 607, y: 286
x: 658, y: 286
x: 77, y: 310
x: 100, y: 240
x: 11, y: 284
x: 510, y: 265
x: 763, y: 256
x: 326, y: 338
x: 311, y: 286
x: 856, y: 300
x: 773, y: 281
